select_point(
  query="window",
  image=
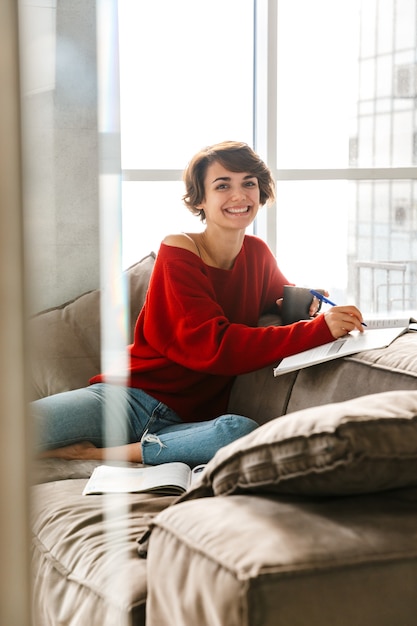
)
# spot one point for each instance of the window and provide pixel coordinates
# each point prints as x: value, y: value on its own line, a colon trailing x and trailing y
x: 346, y: 125
x: 324, y: 91
x: 186, y: 82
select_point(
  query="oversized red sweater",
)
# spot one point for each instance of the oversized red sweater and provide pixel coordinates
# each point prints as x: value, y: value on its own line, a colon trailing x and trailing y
x: 198, y: 328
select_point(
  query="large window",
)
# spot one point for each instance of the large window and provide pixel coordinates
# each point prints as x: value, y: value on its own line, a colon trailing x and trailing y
x: 325, y: 91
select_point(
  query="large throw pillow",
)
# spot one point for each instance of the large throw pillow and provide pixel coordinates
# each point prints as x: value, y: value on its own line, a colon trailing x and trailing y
x: 66, y: 339
x: 358, y: 446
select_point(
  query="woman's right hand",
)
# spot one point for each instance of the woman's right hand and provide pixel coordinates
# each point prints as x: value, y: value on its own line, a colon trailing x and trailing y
x: 343, y: 319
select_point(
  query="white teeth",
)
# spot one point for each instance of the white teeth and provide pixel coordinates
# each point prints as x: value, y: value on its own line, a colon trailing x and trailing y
x: 244, y: 210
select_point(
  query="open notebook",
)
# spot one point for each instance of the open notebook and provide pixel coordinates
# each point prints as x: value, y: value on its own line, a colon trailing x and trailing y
x: 379, y: 333
x: 167, y: 479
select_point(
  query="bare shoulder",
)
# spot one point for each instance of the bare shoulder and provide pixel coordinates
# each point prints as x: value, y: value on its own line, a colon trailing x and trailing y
x: 181, y: 240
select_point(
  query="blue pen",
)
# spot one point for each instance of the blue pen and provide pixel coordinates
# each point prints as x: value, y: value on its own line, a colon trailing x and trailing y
x: 320, y: 296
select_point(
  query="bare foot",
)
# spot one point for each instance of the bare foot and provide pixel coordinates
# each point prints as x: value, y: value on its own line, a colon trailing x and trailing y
x: 86, y: 451
x: 82, y: 451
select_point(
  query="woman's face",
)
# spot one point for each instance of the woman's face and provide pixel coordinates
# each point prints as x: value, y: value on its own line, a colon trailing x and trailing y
x: 231, y: 198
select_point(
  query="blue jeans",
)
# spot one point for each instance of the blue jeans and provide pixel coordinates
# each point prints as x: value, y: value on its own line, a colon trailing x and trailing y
x: 108, y: 415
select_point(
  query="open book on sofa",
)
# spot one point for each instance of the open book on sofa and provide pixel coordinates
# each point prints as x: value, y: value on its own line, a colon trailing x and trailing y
x: 166, y: 479
x: 379, y: 333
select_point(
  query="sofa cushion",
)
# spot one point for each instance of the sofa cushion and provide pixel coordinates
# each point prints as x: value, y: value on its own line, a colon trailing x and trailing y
x: 256, y: 560
x: 49, y: 470
x: 374, y: 371
x: 364, y: 445
x: 66, y: 339
x: 258, y: 394
x: 85, y: 564
x: 262, y: 396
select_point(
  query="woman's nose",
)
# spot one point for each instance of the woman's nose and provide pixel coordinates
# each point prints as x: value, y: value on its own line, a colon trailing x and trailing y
x: 238, y: 194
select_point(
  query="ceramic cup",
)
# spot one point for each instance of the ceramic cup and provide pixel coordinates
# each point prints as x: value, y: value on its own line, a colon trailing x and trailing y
x: 296, y: 304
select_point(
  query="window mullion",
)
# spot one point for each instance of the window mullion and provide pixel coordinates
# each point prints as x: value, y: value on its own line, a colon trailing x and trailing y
x: 363, y: 173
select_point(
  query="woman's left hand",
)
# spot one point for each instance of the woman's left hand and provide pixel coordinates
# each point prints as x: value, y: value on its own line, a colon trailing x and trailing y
x: 315, y: 305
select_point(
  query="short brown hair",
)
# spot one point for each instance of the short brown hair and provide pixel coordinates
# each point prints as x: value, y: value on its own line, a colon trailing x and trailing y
x: 234, y: 156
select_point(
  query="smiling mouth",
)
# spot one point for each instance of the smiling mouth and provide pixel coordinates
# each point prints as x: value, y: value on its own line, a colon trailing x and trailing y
x: 238, y: 210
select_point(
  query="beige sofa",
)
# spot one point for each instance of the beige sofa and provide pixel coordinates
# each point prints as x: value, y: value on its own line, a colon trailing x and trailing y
x: 309, y: 520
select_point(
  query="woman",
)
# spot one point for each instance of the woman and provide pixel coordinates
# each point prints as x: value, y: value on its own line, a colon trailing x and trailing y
x: 196, y: 332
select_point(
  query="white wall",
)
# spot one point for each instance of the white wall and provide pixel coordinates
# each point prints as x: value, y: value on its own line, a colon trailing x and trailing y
x: 58, y: 47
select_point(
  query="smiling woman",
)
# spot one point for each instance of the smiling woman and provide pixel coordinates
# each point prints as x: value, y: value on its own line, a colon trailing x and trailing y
x: 230, y: 205
x: 212, y: 288
x: 223, y: 188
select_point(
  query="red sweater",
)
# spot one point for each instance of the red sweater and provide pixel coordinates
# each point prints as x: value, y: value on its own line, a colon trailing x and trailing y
x: 198, y: 328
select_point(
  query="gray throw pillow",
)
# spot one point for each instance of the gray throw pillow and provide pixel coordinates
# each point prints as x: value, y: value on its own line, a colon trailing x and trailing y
x: 363, y: 445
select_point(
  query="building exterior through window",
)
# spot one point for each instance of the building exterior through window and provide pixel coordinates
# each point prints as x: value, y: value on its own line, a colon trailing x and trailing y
x: 383, y: 223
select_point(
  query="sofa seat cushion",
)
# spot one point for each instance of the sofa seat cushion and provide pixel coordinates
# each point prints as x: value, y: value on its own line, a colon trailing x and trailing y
x: 363, y: 445
x: 275, y: 561
x: 86, y: 568
x: 50, y: 470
